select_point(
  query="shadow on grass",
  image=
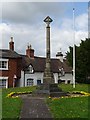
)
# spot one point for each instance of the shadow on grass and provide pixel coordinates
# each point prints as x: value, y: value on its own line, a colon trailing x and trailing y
x: 45, y: 119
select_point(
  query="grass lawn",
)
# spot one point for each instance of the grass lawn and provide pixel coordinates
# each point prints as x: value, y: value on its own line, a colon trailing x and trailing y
x: 11, y: 106
x: 77, y: 107
x: 69, y: 107
x: 60, y: 108
x: 78, y: 87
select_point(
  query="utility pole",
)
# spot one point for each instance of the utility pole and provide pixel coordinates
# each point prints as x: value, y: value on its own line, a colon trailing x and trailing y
x: 73, y: 48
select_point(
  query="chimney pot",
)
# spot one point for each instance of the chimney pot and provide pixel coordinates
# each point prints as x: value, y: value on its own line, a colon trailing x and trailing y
x: 11, y: 44
x: 30, y: 46
x: 30, y: 52
x: 59, y: 55
x: 12, y: 39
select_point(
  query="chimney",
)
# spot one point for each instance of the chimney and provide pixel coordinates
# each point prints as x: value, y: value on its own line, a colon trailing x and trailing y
x: 11, y: 44
x: 59, y: 56
x: 30, y: 51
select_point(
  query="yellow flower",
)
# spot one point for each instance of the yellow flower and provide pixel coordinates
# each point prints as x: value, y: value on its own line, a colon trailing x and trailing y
x: 49, y: 97
x: 10, y: 94
x: 55, y: 98
x: 14, y: 96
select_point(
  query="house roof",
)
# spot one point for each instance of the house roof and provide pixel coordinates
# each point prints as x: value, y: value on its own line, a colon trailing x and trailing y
x: 38, y: 64
x: 4, y: 53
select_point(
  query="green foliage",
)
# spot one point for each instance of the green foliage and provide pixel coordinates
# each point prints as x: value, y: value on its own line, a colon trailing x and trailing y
x: 82, y: 60
x: 69, y: 56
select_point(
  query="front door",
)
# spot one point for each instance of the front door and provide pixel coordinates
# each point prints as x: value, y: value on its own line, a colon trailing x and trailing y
x: 38, y: 82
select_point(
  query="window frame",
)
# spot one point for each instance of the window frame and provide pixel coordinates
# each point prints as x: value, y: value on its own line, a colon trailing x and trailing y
x: 5, y: 78
x: 4, y: 60
x: 30, y: 82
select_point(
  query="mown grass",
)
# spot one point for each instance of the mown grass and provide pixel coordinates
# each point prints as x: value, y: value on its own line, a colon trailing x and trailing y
x: 78, y: 87
x: 11, y: 107
x: 77, y: 107
x: 61, y: 108
x: 69, y: 107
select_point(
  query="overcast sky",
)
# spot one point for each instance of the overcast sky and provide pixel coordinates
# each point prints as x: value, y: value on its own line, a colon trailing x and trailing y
x: 24, y: 22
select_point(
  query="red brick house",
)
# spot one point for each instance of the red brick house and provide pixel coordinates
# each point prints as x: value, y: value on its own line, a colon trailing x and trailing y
x: 10, y: 66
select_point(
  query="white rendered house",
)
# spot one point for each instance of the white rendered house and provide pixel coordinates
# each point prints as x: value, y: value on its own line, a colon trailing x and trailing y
x: 33, y: 69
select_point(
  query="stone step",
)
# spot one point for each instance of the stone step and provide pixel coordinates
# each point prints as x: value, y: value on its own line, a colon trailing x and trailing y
x: 58, y: 94
x: 46, y: 93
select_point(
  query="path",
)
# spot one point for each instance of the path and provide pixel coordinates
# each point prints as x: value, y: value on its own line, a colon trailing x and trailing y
x: 34, y: 107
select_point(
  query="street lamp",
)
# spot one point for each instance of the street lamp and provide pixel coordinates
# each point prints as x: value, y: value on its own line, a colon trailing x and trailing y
x: 14, y: 79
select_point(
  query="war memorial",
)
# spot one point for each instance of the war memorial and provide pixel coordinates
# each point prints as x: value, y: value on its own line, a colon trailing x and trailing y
x: 49, y: 87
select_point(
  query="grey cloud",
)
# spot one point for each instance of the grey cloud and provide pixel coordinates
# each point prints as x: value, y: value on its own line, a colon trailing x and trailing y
x: 31, y: 13
x: 28, y: 26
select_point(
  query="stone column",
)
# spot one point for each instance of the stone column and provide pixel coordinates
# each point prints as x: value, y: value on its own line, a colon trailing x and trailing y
x: 49, y: 87
x: 48, y: 75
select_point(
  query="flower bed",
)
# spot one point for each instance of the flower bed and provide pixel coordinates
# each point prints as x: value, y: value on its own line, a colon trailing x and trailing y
x: 72, y: 94
x: 81, y: 93
x: 15, y: 94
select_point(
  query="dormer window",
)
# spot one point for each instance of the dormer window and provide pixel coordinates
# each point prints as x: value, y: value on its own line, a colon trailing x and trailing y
x: 30, y: 69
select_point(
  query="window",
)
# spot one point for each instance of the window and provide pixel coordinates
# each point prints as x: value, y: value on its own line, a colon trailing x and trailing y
x: 3, y: 82
x: 30, y: 69
x: 29, y: 82
x: 3, y: 64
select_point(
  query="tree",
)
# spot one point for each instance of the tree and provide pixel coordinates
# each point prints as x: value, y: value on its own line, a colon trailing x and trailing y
x: 82, y: 60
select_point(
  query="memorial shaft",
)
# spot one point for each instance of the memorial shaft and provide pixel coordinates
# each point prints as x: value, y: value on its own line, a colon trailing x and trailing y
x: 48, y: 42
x: 48, y: 75
x: 48, y: 61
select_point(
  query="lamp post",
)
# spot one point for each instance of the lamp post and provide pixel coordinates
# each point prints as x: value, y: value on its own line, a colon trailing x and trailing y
x: 14, y: 79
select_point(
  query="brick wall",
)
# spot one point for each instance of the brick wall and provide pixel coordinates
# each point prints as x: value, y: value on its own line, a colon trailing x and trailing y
x: 14, y: 68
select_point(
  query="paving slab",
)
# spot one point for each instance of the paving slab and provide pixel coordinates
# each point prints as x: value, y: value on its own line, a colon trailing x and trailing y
x: 35, y: 108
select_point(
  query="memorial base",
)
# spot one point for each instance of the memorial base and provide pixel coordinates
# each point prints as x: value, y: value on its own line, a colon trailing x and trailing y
x: 51, y: 90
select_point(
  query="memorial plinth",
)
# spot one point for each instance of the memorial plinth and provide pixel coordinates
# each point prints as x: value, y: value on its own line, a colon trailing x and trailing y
x: 50, y: 90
